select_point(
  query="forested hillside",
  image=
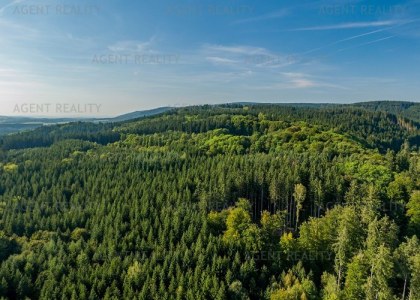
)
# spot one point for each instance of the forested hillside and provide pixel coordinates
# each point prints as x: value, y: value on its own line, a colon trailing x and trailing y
x: 238, y: 201
x: 410, y: 110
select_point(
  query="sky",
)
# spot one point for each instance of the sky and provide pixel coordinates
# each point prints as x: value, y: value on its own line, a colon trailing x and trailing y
x: 109, y: 57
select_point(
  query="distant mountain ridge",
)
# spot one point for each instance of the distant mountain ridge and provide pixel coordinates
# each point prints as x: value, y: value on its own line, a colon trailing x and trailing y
x: 409, y: 110
x: 139, y: 114
x: 11, y: 124
x: 15, y: 124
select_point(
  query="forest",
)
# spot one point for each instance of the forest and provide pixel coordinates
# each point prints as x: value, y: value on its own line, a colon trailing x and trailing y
x: 234, y: 201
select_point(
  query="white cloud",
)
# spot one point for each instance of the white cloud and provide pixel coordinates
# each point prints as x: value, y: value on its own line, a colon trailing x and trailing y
x: 220, y: 60
x: 248, y: 57
x: 298, y: 80
x: 350, y: 25
x: 133, y: 46
x: 367, y: 43
x: 304, y: 81
x: 274, y: 15
x: 239, y: 49
x: 14, y: 2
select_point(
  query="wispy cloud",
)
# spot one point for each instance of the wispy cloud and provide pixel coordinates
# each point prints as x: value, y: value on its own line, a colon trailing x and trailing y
x: 12, y: 3
x: 133, y: 46
x: 350, y: 25
x: 298, y: 80
x: 242, y: 56
x: 368, y: 43
x: 13, y: 27
x: 345, y: 40
x: 303, y: 83
x: 274, y: 15
x: 219, y: 77
x: 294, y: 80
x: 221, y: 60
x: 239, y: 49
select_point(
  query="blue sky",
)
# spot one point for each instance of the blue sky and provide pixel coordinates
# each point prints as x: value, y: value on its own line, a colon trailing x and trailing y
x: 132, y: 55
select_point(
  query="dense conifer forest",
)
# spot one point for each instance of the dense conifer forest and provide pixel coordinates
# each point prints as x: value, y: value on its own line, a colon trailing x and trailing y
x: 238, y: 201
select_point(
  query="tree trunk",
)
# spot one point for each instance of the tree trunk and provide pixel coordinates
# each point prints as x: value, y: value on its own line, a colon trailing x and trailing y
x: 405, y: 286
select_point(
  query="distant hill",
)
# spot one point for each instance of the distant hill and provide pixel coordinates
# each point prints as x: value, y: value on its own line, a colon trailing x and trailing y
x: 409, y: 110
x: 17, y: 124
x: 139, y: 114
